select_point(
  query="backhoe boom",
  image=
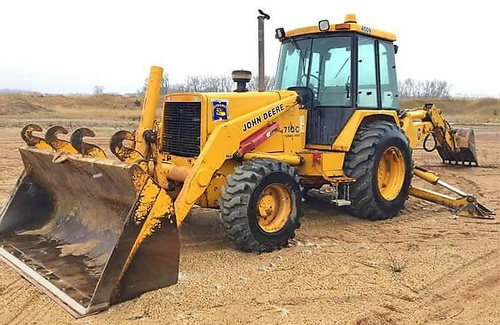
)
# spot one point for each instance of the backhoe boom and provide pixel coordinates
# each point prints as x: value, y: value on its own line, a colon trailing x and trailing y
x: 455, y: 146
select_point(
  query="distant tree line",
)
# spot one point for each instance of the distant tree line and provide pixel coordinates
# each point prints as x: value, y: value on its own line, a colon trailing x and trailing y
x: 206, y: 84
x: 408, y: 88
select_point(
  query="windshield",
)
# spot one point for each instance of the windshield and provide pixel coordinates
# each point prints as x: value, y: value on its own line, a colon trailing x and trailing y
x: 322, y: 64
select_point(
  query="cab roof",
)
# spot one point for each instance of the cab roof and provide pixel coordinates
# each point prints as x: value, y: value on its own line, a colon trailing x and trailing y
x: 350, y: 24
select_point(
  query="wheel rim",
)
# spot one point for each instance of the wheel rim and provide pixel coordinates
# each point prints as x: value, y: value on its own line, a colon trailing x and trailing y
x: 273, y: 208
x: 391, y: 173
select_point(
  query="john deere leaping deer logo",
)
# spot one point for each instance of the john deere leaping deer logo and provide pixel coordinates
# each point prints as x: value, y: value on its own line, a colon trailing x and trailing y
x: 219, y: 110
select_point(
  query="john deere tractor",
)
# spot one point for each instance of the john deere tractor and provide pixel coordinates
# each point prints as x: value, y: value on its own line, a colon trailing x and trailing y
x: 91, y: 230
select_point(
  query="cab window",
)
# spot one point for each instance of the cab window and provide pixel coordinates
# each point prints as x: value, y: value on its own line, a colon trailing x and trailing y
x: 335, y: 84
x: 367, y: 75
x: 388, y: 80
x: 293, y: 64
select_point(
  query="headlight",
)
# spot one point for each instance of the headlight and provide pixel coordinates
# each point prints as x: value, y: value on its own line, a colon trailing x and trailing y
x: 280, y: 33
x: 324, y: 25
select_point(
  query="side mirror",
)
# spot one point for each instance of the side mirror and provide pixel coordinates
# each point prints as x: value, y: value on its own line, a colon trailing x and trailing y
x: 396, y: 48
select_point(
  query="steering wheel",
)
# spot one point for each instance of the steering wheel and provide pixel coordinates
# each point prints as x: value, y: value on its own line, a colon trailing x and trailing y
x: 315, y: 89
x: 310, y: 75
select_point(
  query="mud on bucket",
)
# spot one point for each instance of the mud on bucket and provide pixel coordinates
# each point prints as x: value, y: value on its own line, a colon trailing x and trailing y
x: 89, y: 232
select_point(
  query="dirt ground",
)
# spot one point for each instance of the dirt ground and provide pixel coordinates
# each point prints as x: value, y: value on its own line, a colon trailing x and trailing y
x: 422, y: 267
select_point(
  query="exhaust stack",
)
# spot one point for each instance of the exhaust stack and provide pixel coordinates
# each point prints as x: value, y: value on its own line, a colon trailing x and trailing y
x: 263, y: 16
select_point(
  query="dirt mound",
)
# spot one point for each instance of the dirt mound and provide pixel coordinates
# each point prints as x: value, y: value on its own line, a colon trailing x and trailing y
x: 105, y: 106
x: 112, y: 106
x: 468, y: 110
x: 103, y: 101
x: 20, y: 106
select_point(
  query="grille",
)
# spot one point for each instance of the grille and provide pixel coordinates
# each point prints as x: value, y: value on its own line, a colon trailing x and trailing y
x: 181, y: 125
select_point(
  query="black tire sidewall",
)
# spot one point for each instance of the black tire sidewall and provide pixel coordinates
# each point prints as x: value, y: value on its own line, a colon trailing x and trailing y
x: 392, y: 138
x: 293, y: 188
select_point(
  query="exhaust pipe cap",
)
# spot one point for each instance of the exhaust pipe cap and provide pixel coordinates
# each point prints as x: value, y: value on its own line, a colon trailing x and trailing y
x: 241, y: 77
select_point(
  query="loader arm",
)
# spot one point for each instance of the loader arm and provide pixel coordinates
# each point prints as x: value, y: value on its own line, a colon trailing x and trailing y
x: 141, y: 146
x: 455, y: 146
x: 223, y: 144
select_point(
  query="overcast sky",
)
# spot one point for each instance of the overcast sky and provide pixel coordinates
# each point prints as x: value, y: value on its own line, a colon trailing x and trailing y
x: 71, y: 46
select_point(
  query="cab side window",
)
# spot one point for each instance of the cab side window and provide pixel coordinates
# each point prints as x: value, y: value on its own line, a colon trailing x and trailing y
x: 388, y: 80
x: 367, y: 75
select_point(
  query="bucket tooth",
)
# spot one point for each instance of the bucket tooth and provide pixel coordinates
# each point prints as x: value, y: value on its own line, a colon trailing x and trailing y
x: 89, y: 233
x: 121, y: 151
x: 57, y: 144
x: 32, y: 140
x: 86, y: 149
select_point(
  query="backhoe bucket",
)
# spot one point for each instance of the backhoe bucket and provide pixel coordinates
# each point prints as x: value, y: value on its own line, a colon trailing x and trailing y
x: 89, y: 232
x: 466, y: 155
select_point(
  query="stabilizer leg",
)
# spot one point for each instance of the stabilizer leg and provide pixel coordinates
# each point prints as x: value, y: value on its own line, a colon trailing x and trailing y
x: 465, y: 205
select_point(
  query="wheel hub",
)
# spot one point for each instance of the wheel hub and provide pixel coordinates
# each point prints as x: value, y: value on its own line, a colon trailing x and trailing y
x: 274, y: 207
x: 391, y: 173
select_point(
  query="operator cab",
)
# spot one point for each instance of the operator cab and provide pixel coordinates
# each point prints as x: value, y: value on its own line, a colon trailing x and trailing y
x: 346, y: 67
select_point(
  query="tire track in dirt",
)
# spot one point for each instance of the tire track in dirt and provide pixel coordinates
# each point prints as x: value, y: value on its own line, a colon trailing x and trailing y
x: 24, y: 311
x: 338, y: 269
x: 12, y: 291
x: 15, y: 299
x: 472, y: 266
x: 456, y: 293
x: 350, y: 230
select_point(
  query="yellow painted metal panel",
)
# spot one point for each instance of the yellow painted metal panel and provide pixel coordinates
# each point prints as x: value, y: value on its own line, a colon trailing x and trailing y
x: 357, y: 28
x: 346, y: 136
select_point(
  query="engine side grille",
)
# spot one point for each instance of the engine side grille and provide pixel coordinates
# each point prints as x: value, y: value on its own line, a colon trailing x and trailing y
x: 181, y: 128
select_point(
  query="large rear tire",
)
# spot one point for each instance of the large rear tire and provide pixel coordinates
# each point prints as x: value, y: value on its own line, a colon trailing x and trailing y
x: 380, y: 161
x: 261, y: 205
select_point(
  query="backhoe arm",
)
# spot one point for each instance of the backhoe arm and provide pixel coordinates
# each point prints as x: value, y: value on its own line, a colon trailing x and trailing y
x: 223, y: 144
x: 455, y: 146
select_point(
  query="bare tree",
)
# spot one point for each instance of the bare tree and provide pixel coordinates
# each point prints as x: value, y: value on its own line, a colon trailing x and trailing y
x: 178, y: 88
x: 216, y: 83
x: 410, y: 88
x: 253, y: 85
x: 165, y: 85
x: 226, y: 84
x: 269, y: 82
x: 193, y: 83
x: 206, y: 84
x: 98, y: 90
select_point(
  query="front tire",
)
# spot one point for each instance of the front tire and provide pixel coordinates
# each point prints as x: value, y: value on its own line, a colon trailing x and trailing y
x: 380, y: 161
x: 261, y: 205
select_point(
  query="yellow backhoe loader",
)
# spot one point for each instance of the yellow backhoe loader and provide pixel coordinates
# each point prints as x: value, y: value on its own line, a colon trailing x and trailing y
x: 91, y: 231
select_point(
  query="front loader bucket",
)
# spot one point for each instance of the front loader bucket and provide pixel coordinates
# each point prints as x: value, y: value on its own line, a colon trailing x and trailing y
x: 466, y: 142
x: 89, y: 232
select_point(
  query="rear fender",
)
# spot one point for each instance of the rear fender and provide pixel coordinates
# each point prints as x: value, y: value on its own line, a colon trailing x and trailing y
x: 359, y: 117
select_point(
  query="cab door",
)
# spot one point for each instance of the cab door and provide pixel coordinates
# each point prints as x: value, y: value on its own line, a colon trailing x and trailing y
x: 344, y: 80
x: 330, y: 78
